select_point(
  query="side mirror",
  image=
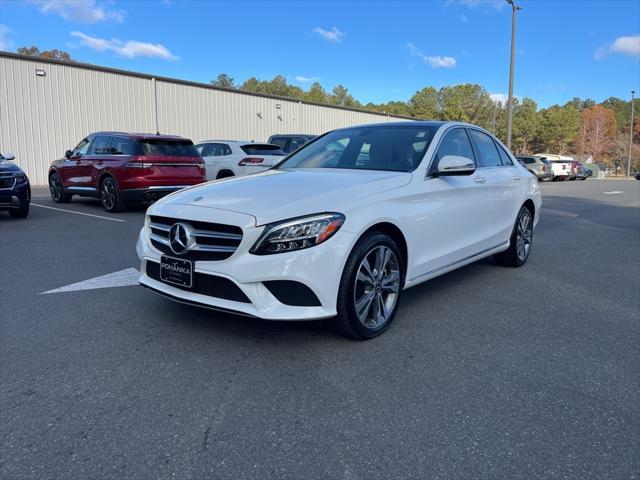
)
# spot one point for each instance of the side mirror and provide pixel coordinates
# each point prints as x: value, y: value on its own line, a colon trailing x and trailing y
x: 455, y: 165
x: 8, y: 156
x: 68, y: 153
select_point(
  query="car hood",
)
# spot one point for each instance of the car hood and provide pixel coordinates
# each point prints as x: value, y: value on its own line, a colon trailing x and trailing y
x: 280, y: 194
x: 8, y: 166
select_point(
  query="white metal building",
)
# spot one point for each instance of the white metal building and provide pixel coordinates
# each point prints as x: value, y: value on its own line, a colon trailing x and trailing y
x: 48, y: 106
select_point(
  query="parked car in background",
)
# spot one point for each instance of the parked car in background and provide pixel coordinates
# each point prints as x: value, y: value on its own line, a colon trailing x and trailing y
x: 637, y: 175
x: 226, y: 158
x: 121, y: 168
x: 343, y: 225
x: 561, y: 169
x: 290, y: 142
x: 15, y: 190
x: 579, y: 171
x: 539, y: 166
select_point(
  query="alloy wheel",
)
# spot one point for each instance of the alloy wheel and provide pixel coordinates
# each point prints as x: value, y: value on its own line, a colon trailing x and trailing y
x: 524, y: 235
x: 55, y: 187
x: 377, y: 286
x: 108, y: 194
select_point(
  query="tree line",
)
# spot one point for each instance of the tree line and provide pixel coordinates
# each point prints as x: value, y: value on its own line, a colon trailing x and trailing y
x: 579, y: 127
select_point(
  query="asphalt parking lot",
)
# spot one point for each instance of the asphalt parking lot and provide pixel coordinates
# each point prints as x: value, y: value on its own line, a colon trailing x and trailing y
x: 487, y: 372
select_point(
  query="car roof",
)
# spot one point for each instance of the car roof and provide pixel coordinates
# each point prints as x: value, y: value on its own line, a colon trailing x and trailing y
x: 142, y: 136
x: 293, y: 135
x: 234, y: 142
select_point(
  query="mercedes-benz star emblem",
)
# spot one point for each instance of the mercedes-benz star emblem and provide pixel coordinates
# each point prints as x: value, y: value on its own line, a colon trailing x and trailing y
x: 178, y: 238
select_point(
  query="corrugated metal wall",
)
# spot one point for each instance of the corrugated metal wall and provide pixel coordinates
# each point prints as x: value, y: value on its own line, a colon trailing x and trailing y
x: 42, y: 116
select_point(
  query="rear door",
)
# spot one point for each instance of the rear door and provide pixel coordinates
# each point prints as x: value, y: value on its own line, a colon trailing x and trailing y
x: 505, y: 181
x: 455, y: 216
x: 95, y: 160
x: 219, y: 159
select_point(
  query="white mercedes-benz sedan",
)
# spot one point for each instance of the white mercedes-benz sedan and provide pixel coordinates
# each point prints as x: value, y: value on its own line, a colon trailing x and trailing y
x: 343, y: 225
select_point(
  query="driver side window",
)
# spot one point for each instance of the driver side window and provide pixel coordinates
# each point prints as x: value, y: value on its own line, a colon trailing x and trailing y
x: 455, y: 142
x: 82, y: 148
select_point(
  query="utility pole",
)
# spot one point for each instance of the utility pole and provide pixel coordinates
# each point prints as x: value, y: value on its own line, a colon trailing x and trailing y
x: 630, y: 136
x: 514, y: 9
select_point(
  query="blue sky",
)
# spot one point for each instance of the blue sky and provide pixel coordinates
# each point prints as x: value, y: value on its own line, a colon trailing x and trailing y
x: 381, y: 51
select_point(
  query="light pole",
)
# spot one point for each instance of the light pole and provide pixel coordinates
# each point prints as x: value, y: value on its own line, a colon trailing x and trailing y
x: 630, y: 136
x: 514, y: 9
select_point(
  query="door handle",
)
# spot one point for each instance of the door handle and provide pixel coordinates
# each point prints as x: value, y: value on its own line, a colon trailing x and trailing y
x: 516, y: 178
x: 479, y: 180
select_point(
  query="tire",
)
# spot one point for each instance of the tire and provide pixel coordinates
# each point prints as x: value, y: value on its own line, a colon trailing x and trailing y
x: 520, y: 242
x: 23, y: 211
x: 376, y: 291
x: 110, y: 196
x: 555, y: 179
x: 56, y: 189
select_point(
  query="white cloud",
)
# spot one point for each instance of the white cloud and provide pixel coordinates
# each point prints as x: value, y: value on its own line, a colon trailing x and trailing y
x: 303, y: 79
x: 129, y: 49
x: 496, y: 4
x: 629, y: 45
x: 84, y: 11
x: 500, y: 98
x: 5, y: 42
x: 435, y: 61
x: 334, y: 35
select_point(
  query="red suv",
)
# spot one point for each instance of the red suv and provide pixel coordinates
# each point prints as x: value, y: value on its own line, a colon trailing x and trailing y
x: 121, y: 168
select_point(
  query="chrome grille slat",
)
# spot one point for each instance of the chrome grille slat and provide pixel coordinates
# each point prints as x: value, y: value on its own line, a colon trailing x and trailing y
x: 230, y: 236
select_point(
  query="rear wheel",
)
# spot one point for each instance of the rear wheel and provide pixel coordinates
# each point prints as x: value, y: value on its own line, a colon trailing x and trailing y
x: 370, y: 287
x: 58, y: 194
x: 110, y: 196
x: 520, y: 242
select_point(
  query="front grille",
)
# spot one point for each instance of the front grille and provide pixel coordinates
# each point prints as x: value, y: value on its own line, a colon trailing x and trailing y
x: 7, y: 180
x: 210, y: 285
x: 213, y: 241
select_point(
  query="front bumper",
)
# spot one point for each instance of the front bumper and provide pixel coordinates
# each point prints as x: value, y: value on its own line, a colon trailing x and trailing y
x: 318, y: 268
x: 15, y: 197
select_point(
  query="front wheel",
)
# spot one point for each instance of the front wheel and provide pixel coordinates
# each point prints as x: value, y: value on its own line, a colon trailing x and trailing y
x: 370, y: 287
x: 56, y: 190
x: 110, y: 196
x: 520, y: 242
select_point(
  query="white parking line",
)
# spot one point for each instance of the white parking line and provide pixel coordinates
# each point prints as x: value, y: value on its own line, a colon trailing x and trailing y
x: 78, y: 213
x: 614, y: 192
x: 123, y: 278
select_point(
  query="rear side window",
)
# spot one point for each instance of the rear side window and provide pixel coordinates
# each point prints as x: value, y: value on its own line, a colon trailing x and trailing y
x: 168, y: 148
x: 122, y: 146
x: 214, y: 149
x: 100, y: 145
x: 527, y: 160
x: 486, y: 149
x: 504, y: 156
x: 265, y: 149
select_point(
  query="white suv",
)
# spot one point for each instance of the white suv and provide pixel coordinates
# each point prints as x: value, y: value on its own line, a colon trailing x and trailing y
x: 227, y: 158
x: 344, y: 225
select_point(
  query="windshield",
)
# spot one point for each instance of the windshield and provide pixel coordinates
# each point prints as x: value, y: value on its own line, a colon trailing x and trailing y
x: 385, y: 147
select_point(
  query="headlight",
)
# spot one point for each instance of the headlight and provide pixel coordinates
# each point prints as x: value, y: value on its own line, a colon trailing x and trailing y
x: 297, y: 234
x: 20, y: 177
